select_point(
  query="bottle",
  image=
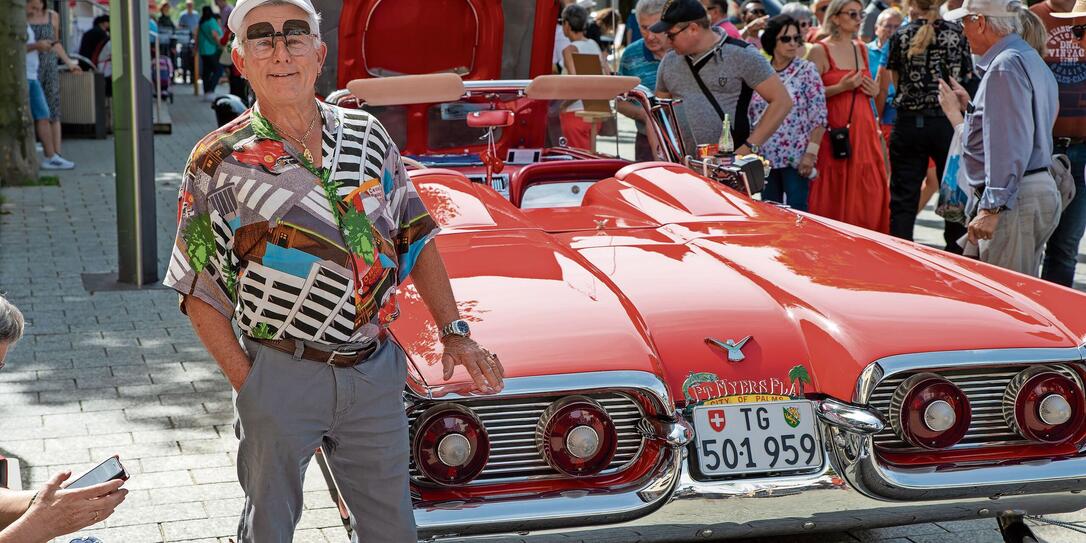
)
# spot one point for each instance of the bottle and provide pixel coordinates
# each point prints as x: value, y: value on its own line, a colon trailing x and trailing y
x: 726, y: 146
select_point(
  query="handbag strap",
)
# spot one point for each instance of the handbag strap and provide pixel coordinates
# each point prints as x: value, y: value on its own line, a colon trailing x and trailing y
x: 852, y: 106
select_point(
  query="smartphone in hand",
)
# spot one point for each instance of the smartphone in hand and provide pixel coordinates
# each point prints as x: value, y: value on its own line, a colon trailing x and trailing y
x: 108, y: 470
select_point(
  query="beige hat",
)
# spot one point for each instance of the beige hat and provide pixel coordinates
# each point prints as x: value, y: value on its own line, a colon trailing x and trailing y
x: 994, y: 8
x: 243, y: 7
x: 1078, y: 11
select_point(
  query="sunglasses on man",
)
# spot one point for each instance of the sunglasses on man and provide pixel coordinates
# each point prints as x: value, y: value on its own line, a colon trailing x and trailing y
x: 671, y: 35
x: 790, y: 39
x: 1079, y: 31
x: 296, y: 34
x: 756, y: 11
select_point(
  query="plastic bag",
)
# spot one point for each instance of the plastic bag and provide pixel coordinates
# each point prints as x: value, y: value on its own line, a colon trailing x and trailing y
x: 953, y: 195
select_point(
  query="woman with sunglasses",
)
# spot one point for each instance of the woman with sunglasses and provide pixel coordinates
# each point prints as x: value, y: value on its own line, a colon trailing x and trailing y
x: 921, y: 54
x: 792, y: 149
x: 852, y: 179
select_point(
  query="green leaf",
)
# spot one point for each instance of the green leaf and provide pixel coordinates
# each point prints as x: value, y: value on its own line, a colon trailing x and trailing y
x: 199, y: 241
x: 263, y: 331
x: 358, y: 234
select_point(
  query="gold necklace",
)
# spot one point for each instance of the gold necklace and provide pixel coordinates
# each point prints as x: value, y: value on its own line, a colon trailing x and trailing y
x: 305, y: 148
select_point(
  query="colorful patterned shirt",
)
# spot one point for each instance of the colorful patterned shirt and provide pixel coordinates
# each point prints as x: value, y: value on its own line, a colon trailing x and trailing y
x: 291, y: 251
x: 786, y: 146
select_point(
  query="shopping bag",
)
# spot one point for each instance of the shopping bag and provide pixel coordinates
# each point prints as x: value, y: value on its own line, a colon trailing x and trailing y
x: 953, y: 195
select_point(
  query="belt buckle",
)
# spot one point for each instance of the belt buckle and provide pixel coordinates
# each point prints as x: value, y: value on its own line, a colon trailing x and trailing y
x: 336, y: 352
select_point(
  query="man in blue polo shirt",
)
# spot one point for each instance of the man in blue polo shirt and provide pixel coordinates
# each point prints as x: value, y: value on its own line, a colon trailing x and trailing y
x: 641, y: 59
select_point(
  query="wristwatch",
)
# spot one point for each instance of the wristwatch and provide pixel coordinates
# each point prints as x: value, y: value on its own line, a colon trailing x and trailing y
x: 754, y: 147
x: 457, y: 327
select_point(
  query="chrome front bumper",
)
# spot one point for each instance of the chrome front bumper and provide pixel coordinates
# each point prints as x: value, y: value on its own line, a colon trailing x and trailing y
x: 852, y: 491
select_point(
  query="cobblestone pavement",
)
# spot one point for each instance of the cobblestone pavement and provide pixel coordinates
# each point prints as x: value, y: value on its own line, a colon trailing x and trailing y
x: 122, y: 372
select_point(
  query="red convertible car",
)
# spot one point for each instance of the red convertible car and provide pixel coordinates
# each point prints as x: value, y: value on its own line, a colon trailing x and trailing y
x: 685, y: 362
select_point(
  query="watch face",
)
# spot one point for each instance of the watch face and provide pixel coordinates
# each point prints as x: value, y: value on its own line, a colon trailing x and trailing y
x: 461, y: 327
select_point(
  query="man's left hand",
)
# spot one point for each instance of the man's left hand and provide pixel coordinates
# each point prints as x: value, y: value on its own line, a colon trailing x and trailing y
x: 983, y: 226
x: 483, y: 366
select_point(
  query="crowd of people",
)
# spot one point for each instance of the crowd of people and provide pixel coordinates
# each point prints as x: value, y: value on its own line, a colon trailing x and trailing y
x: 865, y: 111
x: 179, y: 40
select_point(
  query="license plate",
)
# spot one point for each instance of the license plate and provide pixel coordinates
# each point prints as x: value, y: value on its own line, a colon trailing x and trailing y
x: 756, y: 437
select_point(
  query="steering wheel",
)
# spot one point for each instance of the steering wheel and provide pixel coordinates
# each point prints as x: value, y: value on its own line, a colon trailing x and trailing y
x: 413, y: 163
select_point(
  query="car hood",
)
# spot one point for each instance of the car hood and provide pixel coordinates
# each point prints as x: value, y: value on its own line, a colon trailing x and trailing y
x: 818, y: 300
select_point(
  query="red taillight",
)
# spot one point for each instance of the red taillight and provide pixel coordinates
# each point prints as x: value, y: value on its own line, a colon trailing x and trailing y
x: 1044, y: 405
x: 929, y: 411
x: 576, y: 436
x: 450, y: 444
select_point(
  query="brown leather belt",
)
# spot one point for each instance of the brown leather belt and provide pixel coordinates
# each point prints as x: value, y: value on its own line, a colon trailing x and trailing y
x: 340, y: 358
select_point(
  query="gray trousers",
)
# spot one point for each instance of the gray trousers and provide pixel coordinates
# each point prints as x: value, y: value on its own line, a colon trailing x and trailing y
x: 289, y: 407
x: 1020, y: 237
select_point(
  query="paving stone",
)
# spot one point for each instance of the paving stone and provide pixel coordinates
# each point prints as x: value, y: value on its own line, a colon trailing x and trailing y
x: 990, y: 535
x: 171, y: 434
x: 86, y: 442
x: 185, y: 461
x: 196, y: 493
x: 224, y: 474
x: 136, y: 451
x: 229, y: 507
x: 140, y: 533
x: 127, y: 516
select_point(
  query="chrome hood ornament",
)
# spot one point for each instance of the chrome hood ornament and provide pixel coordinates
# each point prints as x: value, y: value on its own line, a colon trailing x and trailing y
x: 734, y: 349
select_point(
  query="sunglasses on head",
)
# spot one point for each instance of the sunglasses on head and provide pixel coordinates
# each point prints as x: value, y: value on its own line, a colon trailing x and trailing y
x: 1079, y: 31
x: 790, y: 39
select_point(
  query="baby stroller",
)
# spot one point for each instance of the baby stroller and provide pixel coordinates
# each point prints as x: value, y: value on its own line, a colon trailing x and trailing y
x: 165, y: 78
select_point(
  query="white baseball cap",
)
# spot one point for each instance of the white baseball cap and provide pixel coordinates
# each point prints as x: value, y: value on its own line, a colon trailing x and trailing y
x: 243, y: 7
x: 993, y: 8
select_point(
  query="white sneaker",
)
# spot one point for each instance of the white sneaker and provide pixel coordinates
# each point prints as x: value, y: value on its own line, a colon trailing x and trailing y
x: 57, y: 162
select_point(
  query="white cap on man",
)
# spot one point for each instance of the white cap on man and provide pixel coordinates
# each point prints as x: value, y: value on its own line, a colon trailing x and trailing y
x: 243, y: 7
x: 992, y: 8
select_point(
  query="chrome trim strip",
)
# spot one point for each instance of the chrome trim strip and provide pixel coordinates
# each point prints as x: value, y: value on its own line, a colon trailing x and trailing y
x: 551, y: 385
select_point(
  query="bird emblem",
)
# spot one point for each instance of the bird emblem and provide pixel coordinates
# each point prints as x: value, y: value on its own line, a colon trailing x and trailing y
x: 734, y: 348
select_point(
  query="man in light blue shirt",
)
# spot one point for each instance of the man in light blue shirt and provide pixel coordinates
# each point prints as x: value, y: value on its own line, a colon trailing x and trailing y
x: 1007, y: 138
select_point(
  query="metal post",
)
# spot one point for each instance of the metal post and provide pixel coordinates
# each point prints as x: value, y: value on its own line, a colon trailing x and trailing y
x: 134, y: 147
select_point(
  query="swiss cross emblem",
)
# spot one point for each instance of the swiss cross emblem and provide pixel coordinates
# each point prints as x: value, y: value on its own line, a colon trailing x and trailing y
x: 717, y: 420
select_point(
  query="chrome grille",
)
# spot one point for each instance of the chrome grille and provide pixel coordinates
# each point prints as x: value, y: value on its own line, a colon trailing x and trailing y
x: 983, y: 386
x: 510, y: 424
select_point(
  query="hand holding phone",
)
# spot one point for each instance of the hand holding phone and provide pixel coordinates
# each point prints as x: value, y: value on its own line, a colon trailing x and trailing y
x: 57, y: 511
x: 108, y: 470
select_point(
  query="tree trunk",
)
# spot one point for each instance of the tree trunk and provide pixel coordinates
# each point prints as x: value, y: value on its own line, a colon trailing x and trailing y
x: 18, y: 158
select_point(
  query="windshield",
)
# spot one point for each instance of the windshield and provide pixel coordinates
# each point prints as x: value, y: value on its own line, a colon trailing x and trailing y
x: 446, y: 139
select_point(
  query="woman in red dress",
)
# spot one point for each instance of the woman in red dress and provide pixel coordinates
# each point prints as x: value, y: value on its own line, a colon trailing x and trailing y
x: 854, y: 189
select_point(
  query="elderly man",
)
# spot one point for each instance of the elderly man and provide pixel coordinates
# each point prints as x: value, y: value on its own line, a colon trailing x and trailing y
x: 1007, y: 139
x: 298, y: 220
x: 641, y: 59
x: 715, y: 75
x: 37, y: 517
